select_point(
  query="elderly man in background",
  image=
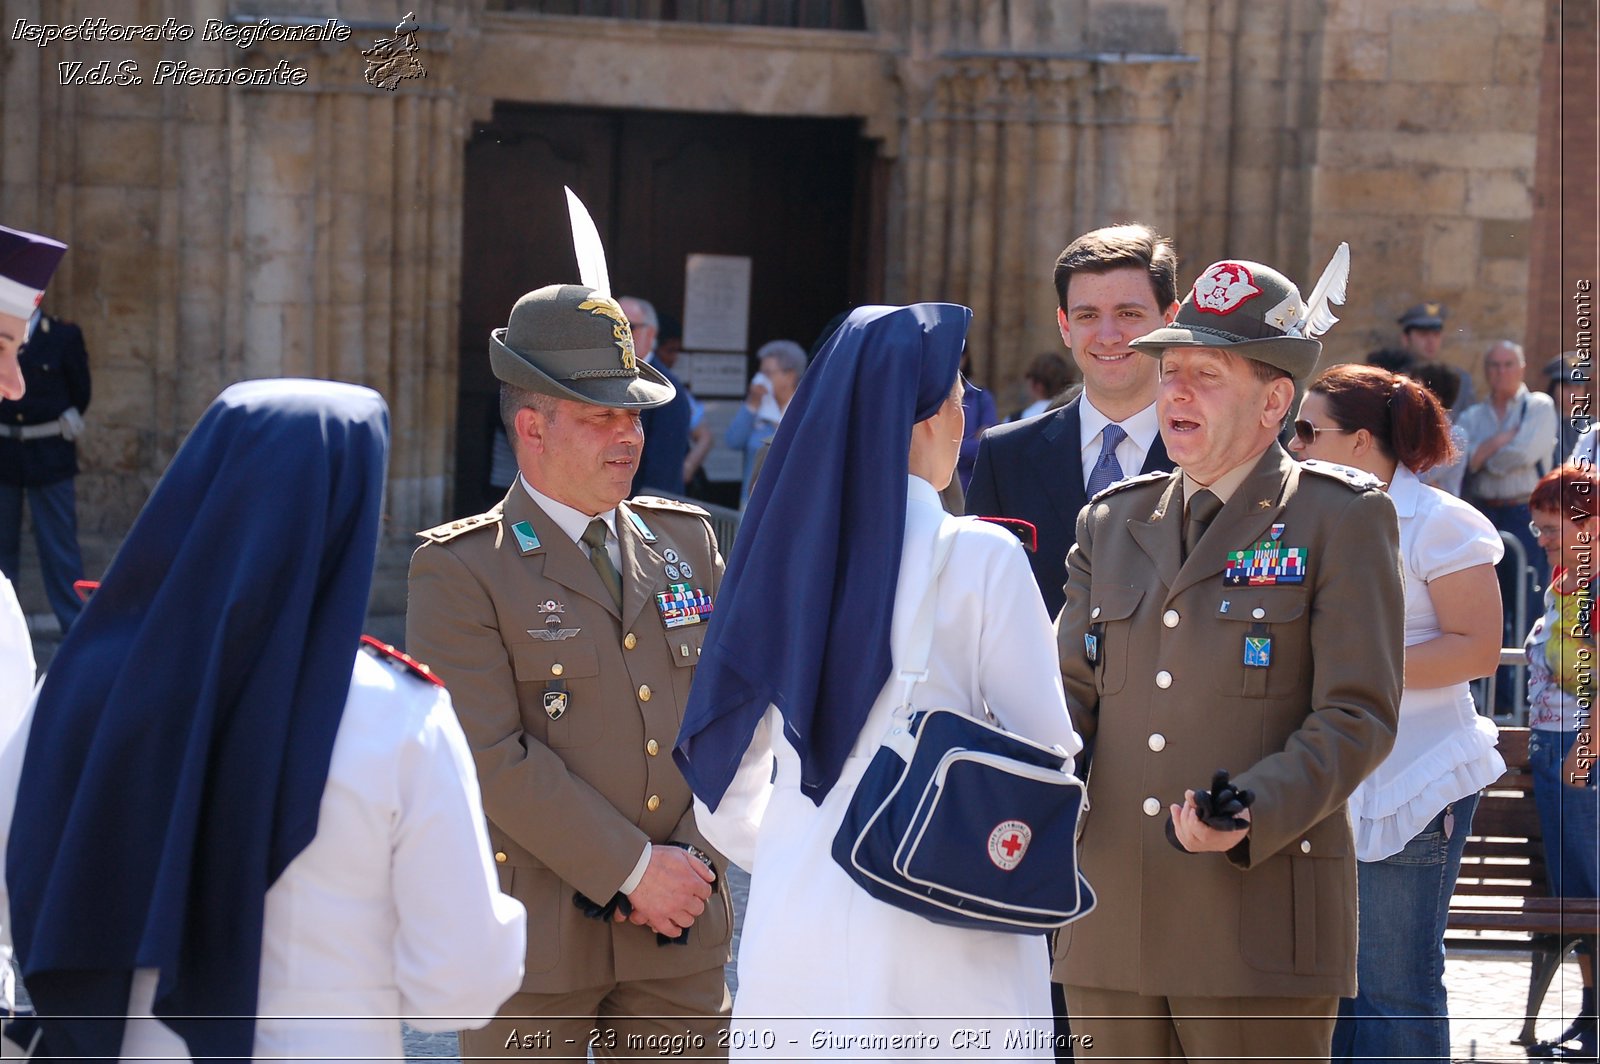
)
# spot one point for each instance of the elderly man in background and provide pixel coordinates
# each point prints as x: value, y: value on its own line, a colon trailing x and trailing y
x: 667, y: 427
x: 1510, y: 437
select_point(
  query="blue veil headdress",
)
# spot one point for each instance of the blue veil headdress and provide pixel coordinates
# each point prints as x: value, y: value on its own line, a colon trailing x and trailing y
x: 182, y: 737
x: 802, y: 616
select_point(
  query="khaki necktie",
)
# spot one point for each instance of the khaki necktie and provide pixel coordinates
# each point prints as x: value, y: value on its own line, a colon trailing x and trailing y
x: 1202, y: 508
x: 594, y: 537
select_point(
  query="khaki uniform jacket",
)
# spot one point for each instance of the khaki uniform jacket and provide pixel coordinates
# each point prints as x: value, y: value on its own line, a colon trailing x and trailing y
x: 573, y: 794
x: 1169, y: 699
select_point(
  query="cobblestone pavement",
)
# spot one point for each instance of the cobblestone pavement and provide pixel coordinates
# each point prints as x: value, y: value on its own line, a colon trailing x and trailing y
x: 1488, y: 992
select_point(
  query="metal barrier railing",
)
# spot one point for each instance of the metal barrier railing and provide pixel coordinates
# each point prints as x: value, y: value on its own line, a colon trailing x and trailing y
x: 724, y: 522
x: 1512, y: 657
x: 1515, y: 658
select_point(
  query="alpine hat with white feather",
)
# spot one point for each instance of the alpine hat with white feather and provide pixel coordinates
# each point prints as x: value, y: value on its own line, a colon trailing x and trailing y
x: 573, y: 341
x: 1255, y: 311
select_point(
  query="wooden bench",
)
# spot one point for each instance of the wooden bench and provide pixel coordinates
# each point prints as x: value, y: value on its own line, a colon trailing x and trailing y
x: 1502, y: 886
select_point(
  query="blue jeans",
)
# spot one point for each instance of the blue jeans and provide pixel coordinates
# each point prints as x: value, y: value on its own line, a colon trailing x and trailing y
x: 55, y: 530
x: 1569, y: 817
x: 1400, y: 1010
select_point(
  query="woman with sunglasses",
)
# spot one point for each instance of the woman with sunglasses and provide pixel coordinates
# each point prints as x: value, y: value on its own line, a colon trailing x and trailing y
x: 1413, y: 814
x: 1561, y: 694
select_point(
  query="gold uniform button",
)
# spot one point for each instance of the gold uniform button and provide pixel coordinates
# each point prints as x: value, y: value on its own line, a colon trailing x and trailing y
x: 652, y: 748
x: 499, y: 857
x: 644, y: 692
x: 653, y: 802
x: 630, y: 641
x: 557, y: 669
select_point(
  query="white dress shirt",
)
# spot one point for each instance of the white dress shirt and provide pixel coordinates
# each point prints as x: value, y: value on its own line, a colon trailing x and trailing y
x: 1131, y: 452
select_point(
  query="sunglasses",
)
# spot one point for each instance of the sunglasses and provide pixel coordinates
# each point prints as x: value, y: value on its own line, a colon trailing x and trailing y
x: 1307, y: 433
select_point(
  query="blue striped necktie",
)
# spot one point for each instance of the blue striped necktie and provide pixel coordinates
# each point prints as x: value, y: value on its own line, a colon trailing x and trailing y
x: 1107, y: 471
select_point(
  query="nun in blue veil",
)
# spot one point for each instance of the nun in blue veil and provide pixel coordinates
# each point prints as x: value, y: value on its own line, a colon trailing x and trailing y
x: 219, y: 806
x: 833, y: 556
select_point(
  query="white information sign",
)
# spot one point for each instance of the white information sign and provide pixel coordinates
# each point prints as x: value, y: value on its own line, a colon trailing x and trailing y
x: 712, y: 376
x: 716, y: 303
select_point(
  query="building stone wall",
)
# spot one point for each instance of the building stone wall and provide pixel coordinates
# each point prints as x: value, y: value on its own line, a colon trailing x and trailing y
x: 1425, y: 153
x: 225, y: 233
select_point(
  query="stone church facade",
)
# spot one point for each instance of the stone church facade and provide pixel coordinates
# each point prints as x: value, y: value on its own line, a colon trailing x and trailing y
x: 221, y: 232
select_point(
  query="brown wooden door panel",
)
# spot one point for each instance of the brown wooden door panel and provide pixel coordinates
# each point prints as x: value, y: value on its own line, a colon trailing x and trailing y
x: 661, y: 186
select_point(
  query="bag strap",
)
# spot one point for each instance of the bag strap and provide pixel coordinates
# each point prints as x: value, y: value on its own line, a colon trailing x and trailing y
x: 914, y: 668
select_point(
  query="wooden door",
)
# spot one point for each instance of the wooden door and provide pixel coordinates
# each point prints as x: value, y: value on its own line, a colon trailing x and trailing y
x: 801, y: 197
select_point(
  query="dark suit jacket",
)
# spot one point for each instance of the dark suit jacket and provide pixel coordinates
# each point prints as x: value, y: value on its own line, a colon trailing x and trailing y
x: 1033, y: 469
x: 666, y: 442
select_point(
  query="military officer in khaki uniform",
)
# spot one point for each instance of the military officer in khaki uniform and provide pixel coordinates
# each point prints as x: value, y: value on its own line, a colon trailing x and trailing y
x: 567, y: 624
x: 1243, y: 612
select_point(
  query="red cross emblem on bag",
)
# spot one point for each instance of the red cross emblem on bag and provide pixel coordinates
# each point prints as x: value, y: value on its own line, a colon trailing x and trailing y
x: 1008, y: 842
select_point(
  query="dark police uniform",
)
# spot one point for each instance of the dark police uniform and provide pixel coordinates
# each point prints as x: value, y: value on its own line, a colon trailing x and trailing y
x: 39, y: 460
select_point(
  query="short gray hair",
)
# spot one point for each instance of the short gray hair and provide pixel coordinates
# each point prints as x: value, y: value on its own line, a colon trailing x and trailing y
x: 790, y: 356
x: 513, y: 399
x: 647, y: 310
x: 1522, y: 357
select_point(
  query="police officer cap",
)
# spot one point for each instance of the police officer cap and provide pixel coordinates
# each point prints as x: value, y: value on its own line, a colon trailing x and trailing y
x: 1243, y: 307
x: 571, y: 342
x: 27, y: 261
x: 1423, y: 316
x: 1565, y: 369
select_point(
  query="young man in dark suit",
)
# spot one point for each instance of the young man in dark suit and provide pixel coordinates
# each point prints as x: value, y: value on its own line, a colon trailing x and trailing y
x: 1113, y: 284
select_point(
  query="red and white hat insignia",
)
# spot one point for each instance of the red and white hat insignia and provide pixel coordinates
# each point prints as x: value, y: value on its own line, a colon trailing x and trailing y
x: 1224, y: 287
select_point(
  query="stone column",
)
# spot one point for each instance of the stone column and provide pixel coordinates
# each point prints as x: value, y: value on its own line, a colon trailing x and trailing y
x: 1008, y: 156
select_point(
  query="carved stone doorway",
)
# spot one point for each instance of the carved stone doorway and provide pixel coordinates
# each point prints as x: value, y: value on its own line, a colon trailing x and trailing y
x: 802, y: 197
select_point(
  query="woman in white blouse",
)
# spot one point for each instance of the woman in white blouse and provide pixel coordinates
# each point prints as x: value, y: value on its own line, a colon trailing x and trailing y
x: 1413, y: 814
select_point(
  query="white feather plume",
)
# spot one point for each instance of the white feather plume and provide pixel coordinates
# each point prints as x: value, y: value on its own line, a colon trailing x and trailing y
x: 1318, y: 317
x: 592, y: 272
